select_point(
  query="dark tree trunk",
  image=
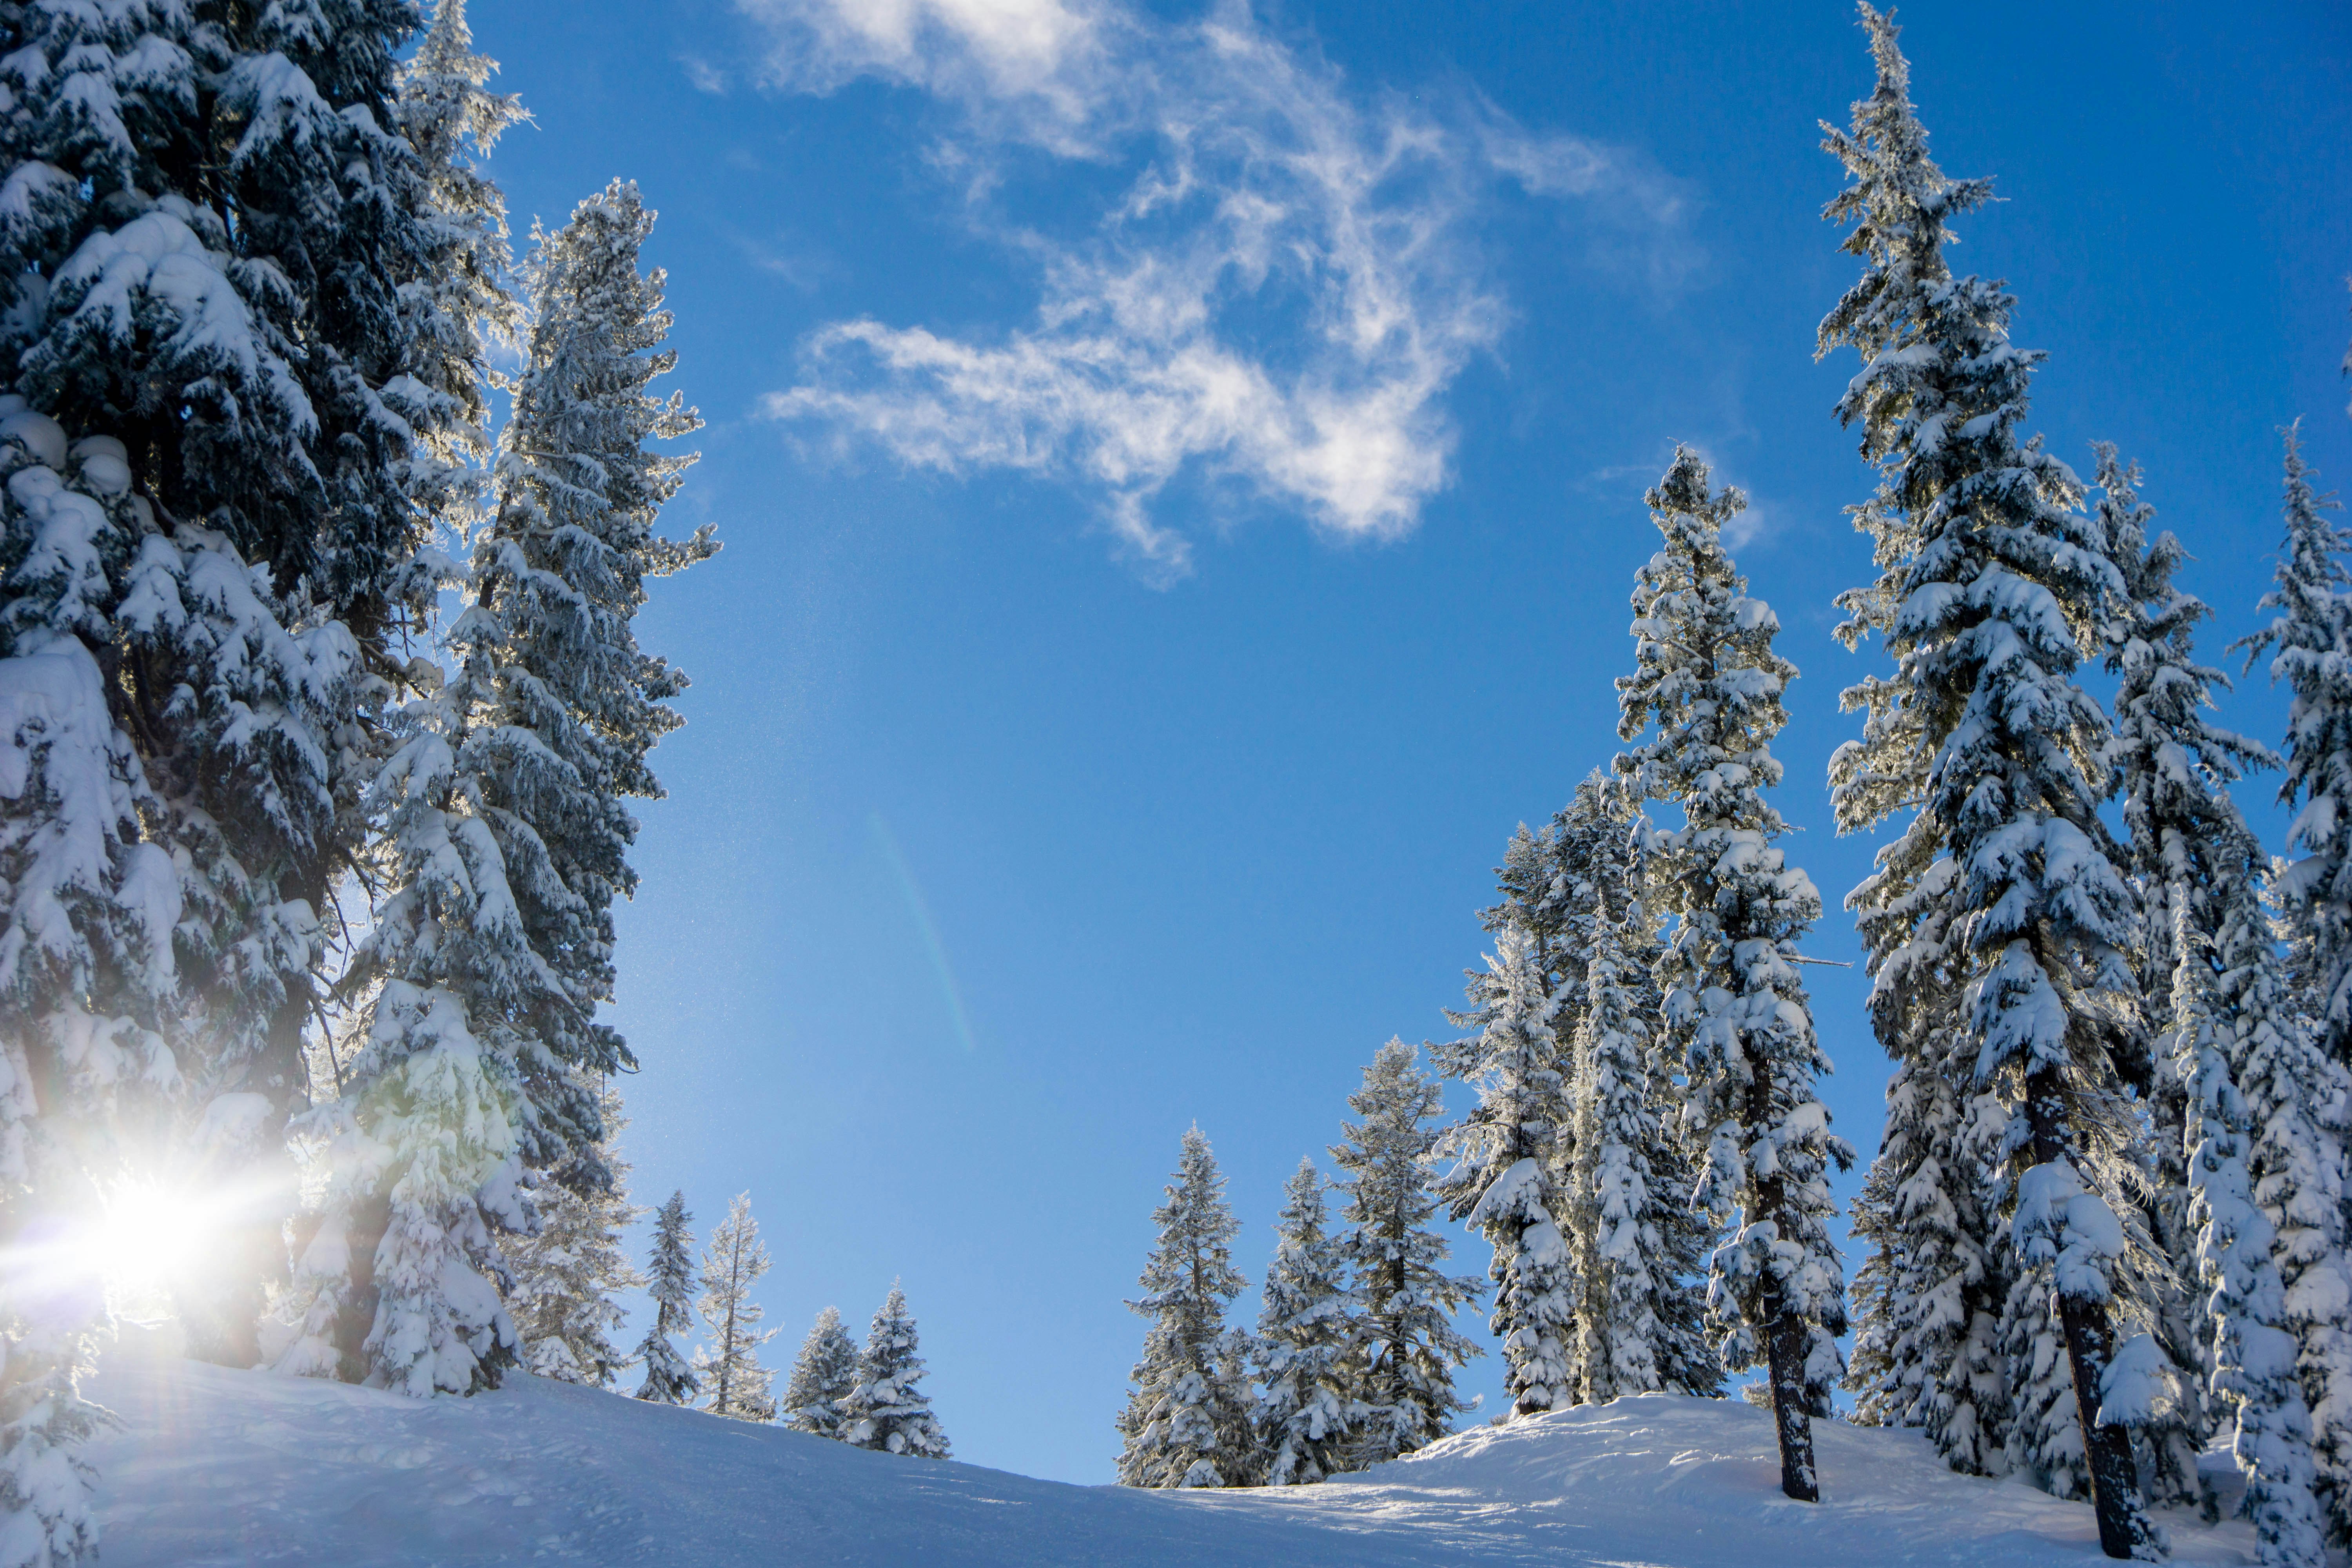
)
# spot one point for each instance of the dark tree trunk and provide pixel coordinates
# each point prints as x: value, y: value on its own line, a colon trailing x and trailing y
x: 2114, y: 1479
x: 1785, y: 1334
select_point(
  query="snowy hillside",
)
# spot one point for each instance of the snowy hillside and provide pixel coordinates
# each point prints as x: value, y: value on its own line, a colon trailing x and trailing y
x: 224, y: 1467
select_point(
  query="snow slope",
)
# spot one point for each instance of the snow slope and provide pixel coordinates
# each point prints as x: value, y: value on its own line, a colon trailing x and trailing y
x: 214, y: 1466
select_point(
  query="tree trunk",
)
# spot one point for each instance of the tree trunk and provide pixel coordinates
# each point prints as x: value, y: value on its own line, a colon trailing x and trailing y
x: 1785, y: 1336
x: 2114, y: 1479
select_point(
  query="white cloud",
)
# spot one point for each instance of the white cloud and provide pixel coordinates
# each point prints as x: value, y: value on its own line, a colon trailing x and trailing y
x: 1279, y: 294
x: 704, y: 75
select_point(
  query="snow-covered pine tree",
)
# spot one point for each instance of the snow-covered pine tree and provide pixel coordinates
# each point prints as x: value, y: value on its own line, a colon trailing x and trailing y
x: 2286, y: 1050
x: 885, y: 1411
x: 1503, y: 1183
x: 479, y: 987
x: 1932, y: 1290
x: 1572, y: 886
x: 569, y: 706
x: 728, y: 1367
x: 1994, y: 582
x: 462, y: 301
x: 824, y: 1374
x: 567, y: 1273
x: 1708, y: 680
x: 86, y: 972
x: 1630, y: 1238
x: 1185, y: 1424
x: 1402, y: 1373
x: 1306, y: 1334
x: 670, y: 1280
x: 2188, y: 852
x: 2308, y: 639
x: 212, y: 394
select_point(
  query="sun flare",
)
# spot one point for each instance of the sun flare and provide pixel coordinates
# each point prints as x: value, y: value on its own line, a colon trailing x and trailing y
x: 148, y: 1235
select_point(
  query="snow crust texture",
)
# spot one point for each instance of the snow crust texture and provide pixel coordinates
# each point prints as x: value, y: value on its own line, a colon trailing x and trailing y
x: 214, y: 1467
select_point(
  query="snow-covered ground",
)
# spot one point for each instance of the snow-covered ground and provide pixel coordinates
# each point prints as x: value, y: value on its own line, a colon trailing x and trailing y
x: 214, y: 1466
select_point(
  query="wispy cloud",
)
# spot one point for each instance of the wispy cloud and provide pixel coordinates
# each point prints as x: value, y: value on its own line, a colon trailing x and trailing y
x: 1279, y: 293
x: 703, y: 76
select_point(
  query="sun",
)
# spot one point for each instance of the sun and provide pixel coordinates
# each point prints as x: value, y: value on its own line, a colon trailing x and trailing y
x: 147, y: 1237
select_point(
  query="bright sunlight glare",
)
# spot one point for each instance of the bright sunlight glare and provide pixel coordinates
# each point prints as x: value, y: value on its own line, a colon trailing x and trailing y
x: 148, y: 1235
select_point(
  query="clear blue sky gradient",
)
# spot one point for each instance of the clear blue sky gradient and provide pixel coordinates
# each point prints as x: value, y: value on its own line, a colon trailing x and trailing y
x: 1193, y: 851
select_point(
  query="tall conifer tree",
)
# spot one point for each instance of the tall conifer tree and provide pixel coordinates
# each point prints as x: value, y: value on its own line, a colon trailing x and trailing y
x: 2223, y: 1028
x: 1505, y: 1182
x: 508, y: 838
x: 1186, y: 1424
x: 2310, y: 642
x: 1409, y: 1347
x: 1707, y: 679
x: 1995, y: 581
x: 1307, y: 1335
x: 728, y: 1367
x: 670, y: 1280
x: 209, y: 517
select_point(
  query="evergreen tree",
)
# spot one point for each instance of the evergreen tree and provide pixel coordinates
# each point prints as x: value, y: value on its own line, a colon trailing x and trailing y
x: 207, y: 429
x: 2189, y: 849
x: 729, y: 1368
x: 1574, y: 889
x: 1637, y: 1244
x: 1994, y: 581
x: 2280, y: 1034
x: 479, y: 987
x: 1503, y: 1182
x: 1185, y: 1423
x: 1306, y: 1334
x: 567, y: 1273
x: 885, y: 1411
x: 824, y: 1374
x: 2308, y: 640
x: 569, y: 706
x: 1708, y: 680
x: 462, y: 302
x: 1408, y: 1347
x: 670, y: 1281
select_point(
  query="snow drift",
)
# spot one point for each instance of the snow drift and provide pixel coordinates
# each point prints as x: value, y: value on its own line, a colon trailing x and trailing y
x: 212, y: 1467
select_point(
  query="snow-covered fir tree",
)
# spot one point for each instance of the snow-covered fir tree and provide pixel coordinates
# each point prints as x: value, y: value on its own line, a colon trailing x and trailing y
x: 2281, y: 1020
x: 567, y: 1273
x: 462, y: 301
x: 671, y: 1281
x: 1306, y: 1337
x: 1932, y: 1290
x: 1572, y: 886
x: 477, y: 988
x: 1409, y: 1348
x: 2189, y: 849
x: 569, y: 706
x: 1709, y: 690
x: 728, y: 1368
x: 1994, y: 580
x: 1186, y: 1423
x: 2307, y: 638
x: 207, y: 430
x: 1639, y: 1245
x: 824, y: 1374
x: 1504, y: 1183
x: 884, y: 1410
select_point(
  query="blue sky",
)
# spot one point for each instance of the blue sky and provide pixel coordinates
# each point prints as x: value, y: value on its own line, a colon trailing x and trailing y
x: 1179, y: 472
